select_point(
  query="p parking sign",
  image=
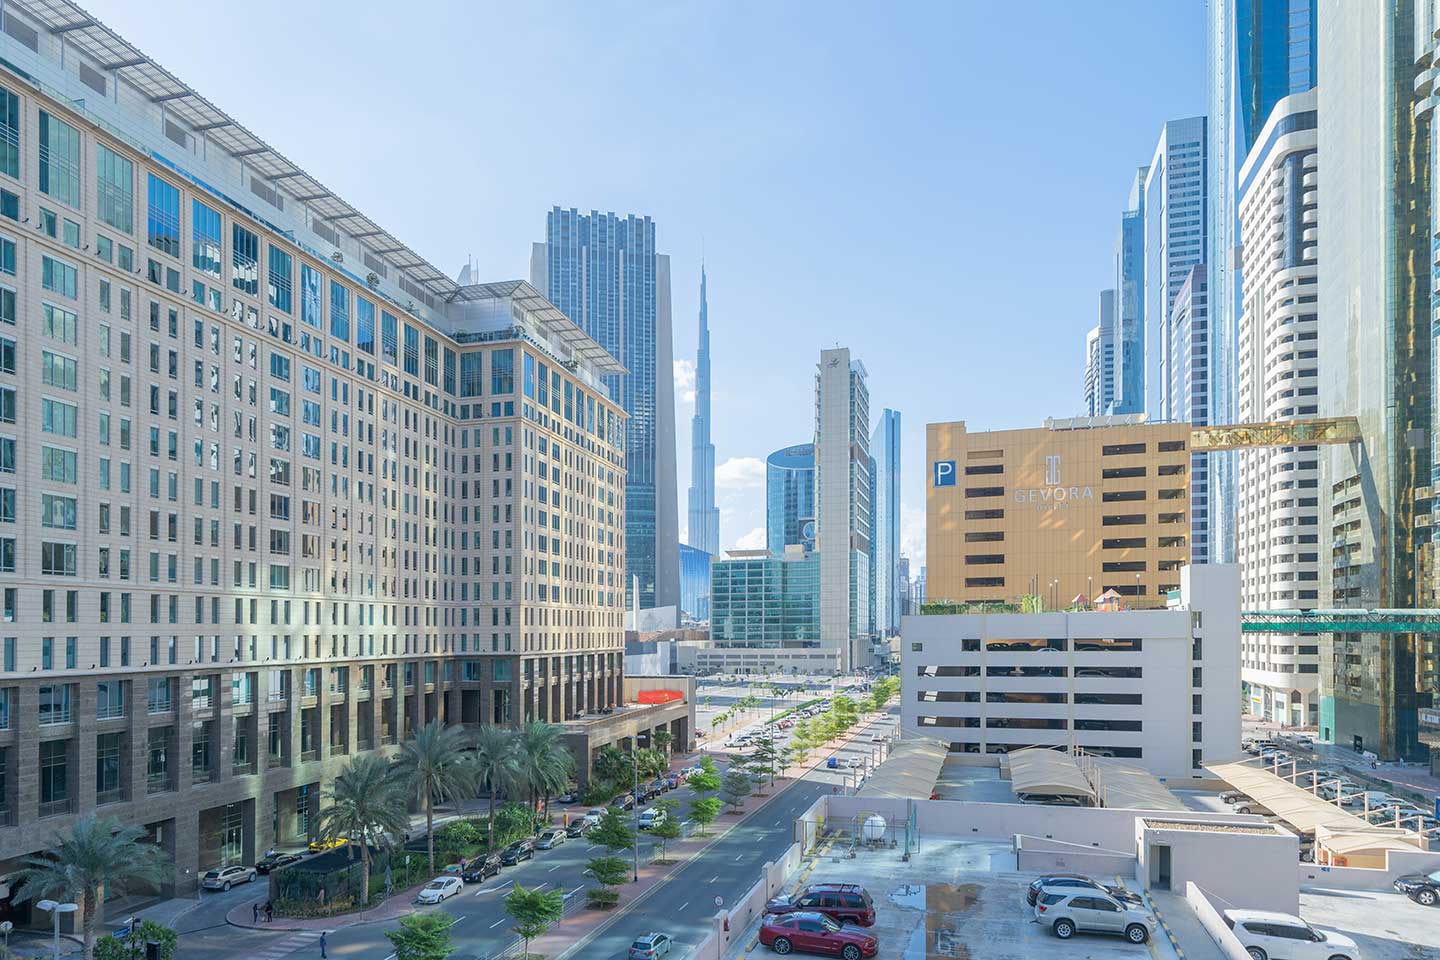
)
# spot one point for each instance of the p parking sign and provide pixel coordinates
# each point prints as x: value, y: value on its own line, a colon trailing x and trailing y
x: 944, y: 473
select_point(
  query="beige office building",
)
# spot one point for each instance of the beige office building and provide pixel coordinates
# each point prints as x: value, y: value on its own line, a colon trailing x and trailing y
x: 1075, y: 507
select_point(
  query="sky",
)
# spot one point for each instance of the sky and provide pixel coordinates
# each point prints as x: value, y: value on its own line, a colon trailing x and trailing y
x: 935, y: 185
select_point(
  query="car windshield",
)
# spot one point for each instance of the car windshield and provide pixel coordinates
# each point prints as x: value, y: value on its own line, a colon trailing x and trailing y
x: 434, y: 885
x: 1435, y: 876
x: 640, y: 945
x: 212, y: 874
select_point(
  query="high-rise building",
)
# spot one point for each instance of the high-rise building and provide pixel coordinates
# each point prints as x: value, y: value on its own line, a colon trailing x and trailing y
x: 1100, y: 356
x: 843, y: 532
x: 885, y: 451
x: 790, y: 498
x: 695, y: 583
x: 604, y: 272
x: 1128, y: 395
x: 1261, y: 51
x: 1093, y: 376
x: 1376, y: 323
x: 1187, y: 379
x: 704, y: 528
x: 271, y: 482
x: 1278, y: 539
x: 907, y: 587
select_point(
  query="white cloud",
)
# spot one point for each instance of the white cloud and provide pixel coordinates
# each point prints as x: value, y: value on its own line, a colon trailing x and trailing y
x: 740, y: 473
x: 685, y: 380
x: 754, y: 540
x: 912, y: 537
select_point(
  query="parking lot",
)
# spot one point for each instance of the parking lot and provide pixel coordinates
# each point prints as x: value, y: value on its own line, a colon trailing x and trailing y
x: 956, y: 898
x: 1386, y: 926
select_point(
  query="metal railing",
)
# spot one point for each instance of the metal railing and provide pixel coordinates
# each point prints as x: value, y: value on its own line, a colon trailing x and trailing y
x: 56, y: 808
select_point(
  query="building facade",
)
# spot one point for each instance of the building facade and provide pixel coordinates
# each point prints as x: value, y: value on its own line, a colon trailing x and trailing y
x: 790, y: 498
x: 1072, y: 509
x: 1188, y: 381
x: 694, y: 584
x: 1101, y: 349
x: 885, y: 449
x: 1160, y: 687
x: 1128, y: 395
x: 764, y: 600
x: 295, y: 491
x: 1278, y: 538
x: 704, y: 517
x: 1376, y: 311
x: 1260, y: 51
x: 844, y: 517
x: 604, y: 272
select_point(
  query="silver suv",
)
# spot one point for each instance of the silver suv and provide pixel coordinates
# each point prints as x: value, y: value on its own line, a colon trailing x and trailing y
x: 1070, y: 911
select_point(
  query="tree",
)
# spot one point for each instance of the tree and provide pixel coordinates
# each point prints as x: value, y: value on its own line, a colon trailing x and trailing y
x: 668, y: 828
x: 494, y: 765
x: 652, y: 763
x: 99, y: 857
x: 112, y: 947
x: 435, y: 763
x: 762, y: 761
x: 614, y: 766
x: 610, y: 872
x: 422, y: 936
x: 663, y: 739
x: 544, y: 762
x: 366, y: 804
x: 1030, y: 603
x: 796, y: 752
x: 707, y: 780
x: 704, y: 810
x: 533, y: 911
x: 736, y: 788
x: 612, y: 832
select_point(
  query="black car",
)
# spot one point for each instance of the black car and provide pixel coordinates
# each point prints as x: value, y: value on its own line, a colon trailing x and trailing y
x: 1067, y: 882
x: 576, y: 828
x: 1423, y: 888
x: 624, y: 802
x: 517, y: 851
x: 266, y: 864
x: 480, y: 869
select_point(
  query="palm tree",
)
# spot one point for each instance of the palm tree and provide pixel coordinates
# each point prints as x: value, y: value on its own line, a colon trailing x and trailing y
x: 613, y: 766
x: 100, y: 856
x: 544, y: 762
x: 435, y: 764
x: 366, y: 803
x: 494, y: 763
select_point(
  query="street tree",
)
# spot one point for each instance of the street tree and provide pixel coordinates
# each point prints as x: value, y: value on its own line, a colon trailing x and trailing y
x: 663, y: 739
x: 435, y: 762
x: 422, y: 936
x: 762, y: 761
x: 704, y: 811
x: 494, y: 766
x: 533, y: 911
x: 612, y: 832
x: 668, y: 828
x: 611, y: 873
x: 367, y: 803
x: 736, y: 787
x: 614, y: 766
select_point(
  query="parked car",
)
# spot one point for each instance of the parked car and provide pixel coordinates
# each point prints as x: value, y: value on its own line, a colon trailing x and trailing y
x: 660, y: 785
x: 550, y: 839
x: 570, y: 796
x: 652, y: 818
x: 672, y: 782
x: 275, y: 862
x: 1255, y: 807
x: 477, y: 870
x: 1363, y: 799
x: 1233, y: 797
x: 517, y: 851
x: 624, y: 802
x: 1423, y: 888
x: 650, y: 946
x: 1266, y: 935
x: 832, y: 763
x: 577, y: 828
x: 877, y: 738
x: 1059, y: 882
x: 441, y: 888
x: 815, y: 933
x: 843, y: 902
x: 226, y: 877
x: 318, y: 846
x: 595, y: 815
x: 1071, y: 911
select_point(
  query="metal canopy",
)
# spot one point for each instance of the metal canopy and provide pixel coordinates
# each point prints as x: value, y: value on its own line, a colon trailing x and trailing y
x: 1340, y: 621
x: 110, y: 52
x: 555, y: 323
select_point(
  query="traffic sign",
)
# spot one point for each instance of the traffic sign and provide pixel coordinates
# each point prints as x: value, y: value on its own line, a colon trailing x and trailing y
x: 719, y: 900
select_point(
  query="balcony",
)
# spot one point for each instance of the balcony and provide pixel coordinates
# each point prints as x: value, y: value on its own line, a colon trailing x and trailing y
x: 275, y: 760
x: 56, y: 808
x: 200, y: 775
x: 242, y: 769
x: 309, y: 756
x: 365, y: 744
x: 103, y: 797
x: 158, y: 783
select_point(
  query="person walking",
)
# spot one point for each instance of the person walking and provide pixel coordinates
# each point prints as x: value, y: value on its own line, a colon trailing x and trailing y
x: 255, y: 912
x: 322, y: 945
x: 269, y: 911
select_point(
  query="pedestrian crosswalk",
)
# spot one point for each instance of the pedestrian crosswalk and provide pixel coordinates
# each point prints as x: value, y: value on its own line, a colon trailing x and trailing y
x: 285, y: 946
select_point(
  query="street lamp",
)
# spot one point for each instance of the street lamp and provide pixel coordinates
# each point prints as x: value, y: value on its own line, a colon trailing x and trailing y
x: 55, y: 908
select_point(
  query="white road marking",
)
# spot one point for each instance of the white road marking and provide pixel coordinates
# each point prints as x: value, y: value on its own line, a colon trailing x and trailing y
x: 682, y: 908
x: 739, y: 858
x: 713, y: 879
x: 554, y: 868
x: 496, y: 924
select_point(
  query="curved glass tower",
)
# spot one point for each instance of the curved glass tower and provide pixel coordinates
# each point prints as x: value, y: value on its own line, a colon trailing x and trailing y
x: 790, y: 498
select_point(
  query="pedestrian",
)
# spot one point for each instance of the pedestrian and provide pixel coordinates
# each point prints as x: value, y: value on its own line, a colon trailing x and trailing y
x: 269, y: 911
x: 255, y: 912
x: 322, y: 896
x: 322, y: 945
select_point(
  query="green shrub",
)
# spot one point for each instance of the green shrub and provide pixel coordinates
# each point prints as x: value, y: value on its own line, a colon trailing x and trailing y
x: 110, y: 947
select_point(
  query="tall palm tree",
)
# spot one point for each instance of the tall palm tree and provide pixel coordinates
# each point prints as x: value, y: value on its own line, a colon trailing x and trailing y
x: 98, y: 857
x: 495, y: 764
x: 544, y: 762
x: 434, y: 762
x: 367, y: 802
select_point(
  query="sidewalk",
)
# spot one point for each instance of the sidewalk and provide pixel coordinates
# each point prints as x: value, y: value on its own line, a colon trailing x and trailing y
x: 399, y: 905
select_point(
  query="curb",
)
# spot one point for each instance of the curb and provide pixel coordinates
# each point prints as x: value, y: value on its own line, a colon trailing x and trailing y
x: 1169, y: 934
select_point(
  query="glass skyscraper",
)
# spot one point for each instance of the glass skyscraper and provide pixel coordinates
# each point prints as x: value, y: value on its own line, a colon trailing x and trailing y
x: 885, y: 453
x: 695, y: 582
x: 1127, y: 334
x: 704, y: 528
x: 763, y: 600
x: 790, y: 498
x: 1261, y: 51
x: 604, y: 272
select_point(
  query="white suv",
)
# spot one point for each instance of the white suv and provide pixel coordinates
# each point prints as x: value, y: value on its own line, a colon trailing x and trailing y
x: 1280, y: 936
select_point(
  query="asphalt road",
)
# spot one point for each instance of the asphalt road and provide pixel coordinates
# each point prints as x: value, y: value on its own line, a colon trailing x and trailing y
x: 681, y: 907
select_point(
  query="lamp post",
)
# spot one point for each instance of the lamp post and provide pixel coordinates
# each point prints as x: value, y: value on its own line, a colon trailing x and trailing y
x: 54, y: 908
x: 635, y: 849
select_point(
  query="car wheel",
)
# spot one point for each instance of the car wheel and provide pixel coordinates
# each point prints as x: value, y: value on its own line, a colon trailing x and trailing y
x: 1339, y: 956
x: 1255, y: 953
x: 1426, y: 897
x: 1242, y: 810
x: 1064, y: 929
x: 226, y: 888
x: 782, y: 945
x: 851, y: 952
x: 1136, y: 933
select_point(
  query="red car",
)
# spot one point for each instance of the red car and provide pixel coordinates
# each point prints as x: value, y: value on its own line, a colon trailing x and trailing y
x: 841, y: 902
x: 815, y: 933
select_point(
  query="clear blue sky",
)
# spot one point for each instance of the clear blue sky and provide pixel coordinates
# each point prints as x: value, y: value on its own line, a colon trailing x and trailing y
x: 936, y: 186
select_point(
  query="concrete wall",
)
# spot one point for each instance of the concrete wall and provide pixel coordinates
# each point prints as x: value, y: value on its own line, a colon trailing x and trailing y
x: 1053, y: 856
x: 1208, y: 913
x: 1209, y: 858
x: 1360, y: 878
x: 730, y: 923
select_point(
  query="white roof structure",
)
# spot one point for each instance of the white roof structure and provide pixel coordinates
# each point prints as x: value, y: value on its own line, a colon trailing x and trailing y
x: 1103, y: 781
x: 1295, y: 805
x: 909, y: 773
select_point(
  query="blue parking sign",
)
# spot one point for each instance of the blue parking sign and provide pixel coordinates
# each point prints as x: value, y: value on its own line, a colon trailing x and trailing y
x: 944, y: 473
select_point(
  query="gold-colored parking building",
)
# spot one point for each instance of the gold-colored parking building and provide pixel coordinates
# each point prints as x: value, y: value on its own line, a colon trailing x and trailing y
x: 1073, y: 508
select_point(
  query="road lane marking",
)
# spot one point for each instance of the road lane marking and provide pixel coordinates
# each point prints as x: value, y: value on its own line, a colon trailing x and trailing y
x: 554, y: 868
x: 496, y: 924
x: 739, y: 858
x: 684, y: 905
x: 713, y: 879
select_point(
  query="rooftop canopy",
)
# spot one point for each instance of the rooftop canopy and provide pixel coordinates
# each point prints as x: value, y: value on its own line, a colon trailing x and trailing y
x: 909, y: 773
x: 1295, y: 805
